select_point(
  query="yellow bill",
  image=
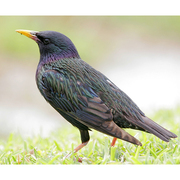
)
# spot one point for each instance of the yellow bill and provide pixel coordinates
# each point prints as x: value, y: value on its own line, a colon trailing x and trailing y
x: 28, y: 33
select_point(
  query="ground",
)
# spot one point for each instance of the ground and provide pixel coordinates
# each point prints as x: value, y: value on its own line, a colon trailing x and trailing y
x: 53, y: 149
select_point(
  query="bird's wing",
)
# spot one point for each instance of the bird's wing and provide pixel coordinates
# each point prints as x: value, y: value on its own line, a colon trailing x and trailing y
x: 120, y: 102
x: 78, y: 101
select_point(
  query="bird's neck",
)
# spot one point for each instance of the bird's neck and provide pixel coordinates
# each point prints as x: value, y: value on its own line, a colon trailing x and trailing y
x: 48, y: 58
x: 66, y: 52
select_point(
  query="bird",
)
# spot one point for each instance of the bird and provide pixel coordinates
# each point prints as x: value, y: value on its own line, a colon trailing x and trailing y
x: 85, y: 97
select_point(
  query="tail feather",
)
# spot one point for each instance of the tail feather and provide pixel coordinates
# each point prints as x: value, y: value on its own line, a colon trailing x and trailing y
x: 154, y: 128
x: 158, y: 130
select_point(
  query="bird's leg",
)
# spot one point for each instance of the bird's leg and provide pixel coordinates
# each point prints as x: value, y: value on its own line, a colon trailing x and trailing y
x: 113, y: 142
x: 84, y: 138
x: 80, y: 146
x: 76, y: 149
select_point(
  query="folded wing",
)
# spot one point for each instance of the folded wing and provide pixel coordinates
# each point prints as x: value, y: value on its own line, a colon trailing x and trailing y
x: 80, y: 105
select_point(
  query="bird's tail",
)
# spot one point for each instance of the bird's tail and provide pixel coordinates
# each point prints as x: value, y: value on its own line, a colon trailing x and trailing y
x: 157, y: 130
x: 154, y: 128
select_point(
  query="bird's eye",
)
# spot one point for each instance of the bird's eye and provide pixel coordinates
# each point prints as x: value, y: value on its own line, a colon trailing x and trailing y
x: 46, y: 41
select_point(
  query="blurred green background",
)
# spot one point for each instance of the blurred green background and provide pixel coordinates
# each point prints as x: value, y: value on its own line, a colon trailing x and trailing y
x: 141, y: 55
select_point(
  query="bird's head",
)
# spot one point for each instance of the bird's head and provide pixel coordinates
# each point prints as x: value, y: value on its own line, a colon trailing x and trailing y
x: 52, y: 45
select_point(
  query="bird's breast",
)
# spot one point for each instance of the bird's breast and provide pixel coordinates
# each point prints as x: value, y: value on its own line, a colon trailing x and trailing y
x: 39, y: 76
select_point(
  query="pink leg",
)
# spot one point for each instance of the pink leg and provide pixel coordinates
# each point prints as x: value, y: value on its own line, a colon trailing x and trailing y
x: 113, y: 142
x: 80, y: 147
x: 77, y: 149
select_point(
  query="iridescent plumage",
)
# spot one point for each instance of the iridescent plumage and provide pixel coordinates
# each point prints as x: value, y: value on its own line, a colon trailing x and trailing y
x: 84, y: 96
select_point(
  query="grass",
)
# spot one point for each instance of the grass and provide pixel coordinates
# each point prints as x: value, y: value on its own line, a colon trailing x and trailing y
x: 52, y: 150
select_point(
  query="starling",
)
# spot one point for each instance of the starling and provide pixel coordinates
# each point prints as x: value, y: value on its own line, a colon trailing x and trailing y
x: 84, y: 96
